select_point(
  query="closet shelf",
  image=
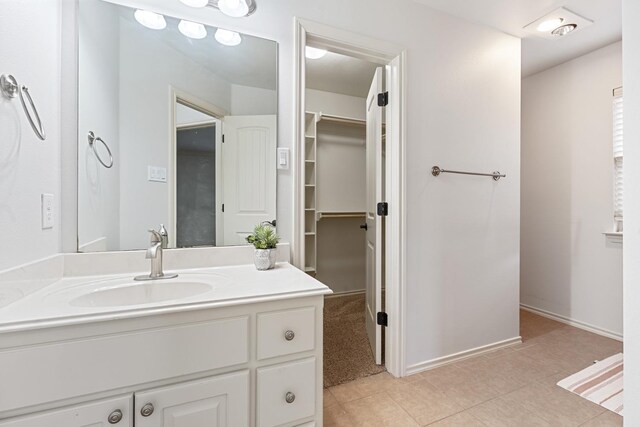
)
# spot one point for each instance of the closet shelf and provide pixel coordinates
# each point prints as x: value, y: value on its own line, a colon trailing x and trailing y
x: 309, y: 269
x: 309, y: 185
x: 341, y: 215
x: 309, y: 233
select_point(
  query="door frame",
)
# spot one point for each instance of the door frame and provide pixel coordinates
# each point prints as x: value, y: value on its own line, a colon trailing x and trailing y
x: 394, y: 58
x: 175, y: 96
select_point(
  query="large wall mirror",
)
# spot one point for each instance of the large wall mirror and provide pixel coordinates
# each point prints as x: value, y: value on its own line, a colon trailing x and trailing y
x: 177, y: 126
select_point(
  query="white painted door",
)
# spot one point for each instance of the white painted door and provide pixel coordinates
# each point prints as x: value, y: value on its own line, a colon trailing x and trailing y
x: 221, y: 401
x: 249, y: 168
x: 374, y: 228
x: 104, y: 413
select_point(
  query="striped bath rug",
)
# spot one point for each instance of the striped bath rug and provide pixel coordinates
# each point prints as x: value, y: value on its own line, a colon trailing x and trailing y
x: 600, y: 383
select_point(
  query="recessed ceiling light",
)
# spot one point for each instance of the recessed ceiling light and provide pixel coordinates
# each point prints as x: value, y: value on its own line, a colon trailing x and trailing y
x: 228, y: 38
x: 193, y: 30
x: 545, y: 25
x: 195, y: 3
x: 149, y: 19
x: 314, y: 52
x: 564, y: 30
x: 549, y: 24
x: 234, y: 8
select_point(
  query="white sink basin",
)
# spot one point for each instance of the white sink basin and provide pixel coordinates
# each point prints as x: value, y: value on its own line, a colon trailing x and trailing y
x: 136, y: 293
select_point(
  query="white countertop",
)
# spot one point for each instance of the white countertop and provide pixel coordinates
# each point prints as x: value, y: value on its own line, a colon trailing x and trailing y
x: 240, y: 284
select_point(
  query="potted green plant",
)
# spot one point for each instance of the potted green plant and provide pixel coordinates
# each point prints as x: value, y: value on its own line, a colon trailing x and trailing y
x: 265, y: 240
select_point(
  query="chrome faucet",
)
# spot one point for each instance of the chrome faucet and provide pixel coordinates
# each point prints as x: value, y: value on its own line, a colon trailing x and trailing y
x: 154, y: 253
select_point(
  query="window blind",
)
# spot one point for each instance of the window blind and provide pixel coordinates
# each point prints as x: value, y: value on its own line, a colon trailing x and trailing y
x: 618, y: 176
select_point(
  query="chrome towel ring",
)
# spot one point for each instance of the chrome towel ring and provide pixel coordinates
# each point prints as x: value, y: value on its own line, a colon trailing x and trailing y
x: 10, y: 89
x: 92, y: 138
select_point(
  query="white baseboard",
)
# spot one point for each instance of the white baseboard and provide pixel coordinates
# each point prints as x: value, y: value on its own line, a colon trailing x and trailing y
x: 572, y: 322
x: 434, y: 363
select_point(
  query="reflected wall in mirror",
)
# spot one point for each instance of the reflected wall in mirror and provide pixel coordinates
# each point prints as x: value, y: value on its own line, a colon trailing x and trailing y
x: 189, y: 125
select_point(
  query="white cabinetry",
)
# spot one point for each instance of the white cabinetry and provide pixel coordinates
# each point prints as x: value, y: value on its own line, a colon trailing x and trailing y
x: 103, y: 413
x: 257, y: 364
x: 221, y: 401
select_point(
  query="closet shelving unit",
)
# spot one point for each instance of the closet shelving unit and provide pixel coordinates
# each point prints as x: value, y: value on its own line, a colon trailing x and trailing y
x: 310, y: 193
x: 311, y: 212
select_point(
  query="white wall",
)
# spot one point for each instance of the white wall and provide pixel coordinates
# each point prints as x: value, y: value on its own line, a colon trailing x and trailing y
x: 98, y: 94
x: 30, y: 34
x: 335, y: 104
x: 568, y: 268
x: 631, y: 71
x: 463, y: 111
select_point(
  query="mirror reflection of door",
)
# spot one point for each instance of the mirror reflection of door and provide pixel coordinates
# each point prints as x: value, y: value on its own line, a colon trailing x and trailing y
x: 198, y: 177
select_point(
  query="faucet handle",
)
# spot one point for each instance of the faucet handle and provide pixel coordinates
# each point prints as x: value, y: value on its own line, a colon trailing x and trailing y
x: 155, y: 236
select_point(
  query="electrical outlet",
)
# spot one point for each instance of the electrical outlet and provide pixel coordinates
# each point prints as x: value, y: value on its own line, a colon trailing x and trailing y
x: 47, y: 211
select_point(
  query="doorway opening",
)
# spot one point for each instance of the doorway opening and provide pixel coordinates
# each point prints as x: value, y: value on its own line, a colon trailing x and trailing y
x: 349, y: 110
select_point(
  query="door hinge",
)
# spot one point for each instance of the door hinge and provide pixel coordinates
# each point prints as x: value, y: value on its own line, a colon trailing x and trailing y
x: 223, y: 207
x: 223, y: 138
x: 383, y: 99
x: 383, y: 319
x: 383, y: 209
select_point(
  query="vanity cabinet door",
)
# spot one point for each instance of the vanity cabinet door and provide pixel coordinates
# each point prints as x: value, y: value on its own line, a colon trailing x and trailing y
x: 212, y: 402
x: 104, y: 413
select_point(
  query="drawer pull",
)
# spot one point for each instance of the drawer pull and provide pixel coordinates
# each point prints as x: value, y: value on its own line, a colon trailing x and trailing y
x: 147, y: 410
x: 290, y: 397
x: 289, y: 335
x: 115, y: 417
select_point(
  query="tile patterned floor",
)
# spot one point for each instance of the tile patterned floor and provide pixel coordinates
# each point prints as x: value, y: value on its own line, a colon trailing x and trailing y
x: 509, y: 387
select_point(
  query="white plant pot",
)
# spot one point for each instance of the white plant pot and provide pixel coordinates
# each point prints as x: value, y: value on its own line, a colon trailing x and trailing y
x: 265, y: 259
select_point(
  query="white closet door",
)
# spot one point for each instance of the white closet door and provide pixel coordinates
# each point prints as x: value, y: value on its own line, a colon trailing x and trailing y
x: 374, y: 228
x: 249, y: 165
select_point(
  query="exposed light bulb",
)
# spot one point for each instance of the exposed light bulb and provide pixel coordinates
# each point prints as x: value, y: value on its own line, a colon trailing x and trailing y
x: 149, y: 19
x: 193, y: 30
x: 195, y: 3
x: 234, y: 8
x: 314, y: 52
x: 564, y: 30
x: 549, y: 24
x: 228, y: 38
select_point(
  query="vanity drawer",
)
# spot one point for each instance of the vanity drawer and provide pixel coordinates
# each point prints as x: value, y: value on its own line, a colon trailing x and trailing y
x: 286, y: 332
x: 116, y: 361
x: 286, y: 392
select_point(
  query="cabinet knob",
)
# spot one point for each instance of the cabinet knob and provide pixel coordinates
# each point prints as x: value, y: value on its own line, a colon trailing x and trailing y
x: 289, y: 335
x: 290, y: 397
x: 115, y: 417
x: 147, y: 410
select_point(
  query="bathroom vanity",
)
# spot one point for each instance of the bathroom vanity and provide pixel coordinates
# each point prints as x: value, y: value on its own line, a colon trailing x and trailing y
x: 230, y: 344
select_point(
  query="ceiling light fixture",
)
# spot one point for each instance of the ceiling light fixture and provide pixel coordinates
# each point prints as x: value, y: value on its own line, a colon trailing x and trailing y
x: 149, y: 19
x: 549, y: 24
x: 314, y: 52
x: 564, y: 30
x: 193, y: 30
x: 195, y: 3
x: 234, y: 8
x: 228, y: 38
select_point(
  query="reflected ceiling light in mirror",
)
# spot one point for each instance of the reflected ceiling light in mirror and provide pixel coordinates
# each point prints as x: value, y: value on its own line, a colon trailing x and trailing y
x: 228, y: 38
x: 234, y: 8
x: 149, y: 19
x: 195, y: 3
x: 314, y: 52
x: 193, y: 30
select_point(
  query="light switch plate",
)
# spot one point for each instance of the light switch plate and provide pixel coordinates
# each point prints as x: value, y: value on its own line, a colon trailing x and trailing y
x: 283, y: 158
x: 47, y: 211
x: 157, y: 174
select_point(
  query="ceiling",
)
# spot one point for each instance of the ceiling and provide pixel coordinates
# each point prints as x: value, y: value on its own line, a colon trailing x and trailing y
x: 340, y: 74
x: 510, y: 16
